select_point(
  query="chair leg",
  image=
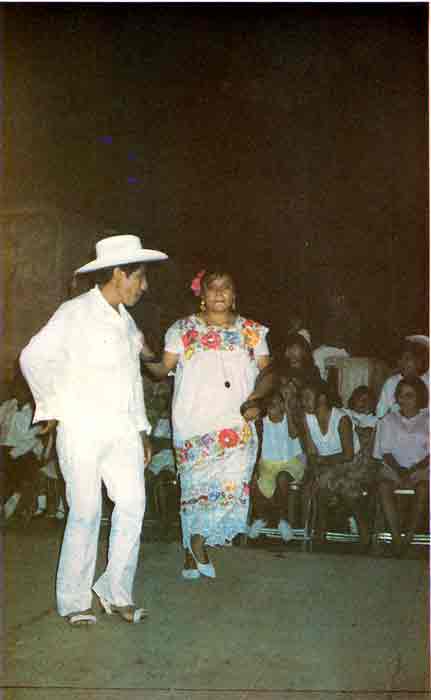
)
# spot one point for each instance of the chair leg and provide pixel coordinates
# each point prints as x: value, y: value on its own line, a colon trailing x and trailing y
x: 309, y: 524
x: 377, y: 528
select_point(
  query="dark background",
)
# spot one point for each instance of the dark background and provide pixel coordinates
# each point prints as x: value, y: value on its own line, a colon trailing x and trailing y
x: 287, y: 141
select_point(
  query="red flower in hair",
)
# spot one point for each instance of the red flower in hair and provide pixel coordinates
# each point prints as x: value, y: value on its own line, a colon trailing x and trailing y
x: 196, y: 283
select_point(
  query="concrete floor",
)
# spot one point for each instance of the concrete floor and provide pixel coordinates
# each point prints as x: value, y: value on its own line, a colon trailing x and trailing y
x: 276, y: 623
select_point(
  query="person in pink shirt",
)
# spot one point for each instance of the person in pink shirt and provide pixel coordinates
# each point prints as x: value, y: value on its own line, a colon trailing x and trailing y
x: 402, y: 444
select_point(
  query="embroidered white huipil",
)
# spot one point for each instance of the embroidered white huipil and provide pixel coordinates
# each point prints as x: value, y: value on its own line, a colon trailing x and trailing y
x: 83, y: 369
x: 215, y: 447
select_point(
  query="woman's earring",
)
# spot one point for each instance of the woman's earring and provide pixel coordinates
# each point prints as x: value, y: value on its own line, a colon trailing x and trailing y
x: 234, y: 305
x: 203, y: 305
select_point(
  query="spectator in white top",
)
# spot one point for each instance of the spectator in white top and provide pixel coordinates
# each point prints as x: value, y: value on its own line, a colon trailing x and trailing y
x: 413, y: 362
x: 338, y: 465
x: 402, y: 443
x: 83, y: 368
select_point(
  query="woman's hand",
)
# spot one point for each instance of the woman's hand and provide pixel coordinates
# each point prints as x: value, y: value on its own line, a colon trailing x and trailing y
x: 251, y: 409
x: 48, y: 427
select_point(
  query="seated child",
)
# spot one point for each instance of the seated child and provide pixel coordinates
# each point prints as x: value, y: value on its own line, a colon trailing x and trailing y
x: 361, y: 409
x: 281, y: 462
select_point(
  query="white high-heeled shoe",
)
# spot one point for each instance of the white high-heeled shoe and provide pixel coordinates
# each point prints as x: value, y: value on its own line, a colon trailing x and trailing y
x: 190, y: 574
x: 207, y: 570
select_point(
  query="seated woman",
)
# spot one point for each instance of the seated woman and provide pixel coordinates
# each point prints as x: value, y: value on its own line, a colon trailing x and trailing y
x: 296, y: 362
x: 413, y: 362
x: 402, y: 443
x: 337, y: 464
x: 281, y: 462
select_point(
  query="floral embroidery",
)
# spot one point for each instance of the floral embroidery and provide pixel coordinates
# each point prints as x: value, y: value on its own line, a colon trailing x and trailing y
x: 228, y: 438
x: 251, y: 337
x: 224, y: 495
x: 196, y: 336
x: 189, y: 337
x: 214, y: 445
x: 211, y: 340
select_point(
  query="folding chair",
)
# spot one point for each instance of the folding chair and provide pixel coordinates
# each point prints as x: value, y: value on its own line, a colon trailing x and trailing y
x: 381, y: 534
x: 350, y: 535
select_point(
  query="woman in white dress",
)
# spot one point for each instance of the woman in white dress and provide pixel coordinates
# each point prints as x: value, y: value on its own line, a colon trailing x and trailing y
x: 217, y: 356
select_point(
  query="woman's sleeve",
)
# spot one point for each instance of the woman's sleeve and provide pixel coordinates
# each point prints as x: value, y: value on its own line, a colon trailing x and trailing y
x: 262, y: 346
x: 173, y: 340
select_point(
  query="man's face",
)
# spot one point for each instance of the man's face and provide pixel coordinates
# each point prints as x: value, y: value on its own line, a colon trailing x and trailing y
x: 409, y: 365
x: 131, y: 288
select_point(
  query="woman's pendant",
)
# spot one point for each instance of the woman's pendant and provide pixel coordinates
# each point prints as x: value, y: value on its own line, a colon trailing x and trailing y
x: 227, y: 385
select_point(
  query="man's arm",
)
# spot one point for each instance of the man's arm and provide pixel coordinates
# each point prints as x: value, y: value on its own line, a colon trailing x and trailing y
x: 42, y: 363
x: 161, y: 369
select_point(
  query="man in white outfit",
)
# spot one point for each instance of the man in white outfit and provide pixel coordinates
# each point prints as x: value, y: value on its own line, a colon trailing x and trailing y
x: 83, y: 368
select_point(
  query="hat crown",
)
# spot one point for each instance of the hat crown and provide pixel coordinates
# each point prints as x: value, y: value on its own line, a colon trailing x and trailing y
x: 118, y: 246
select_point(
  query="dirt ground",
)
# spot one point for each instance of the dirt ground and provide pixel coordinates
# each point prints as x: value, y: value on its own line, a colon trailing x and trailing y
x: 276, y: 623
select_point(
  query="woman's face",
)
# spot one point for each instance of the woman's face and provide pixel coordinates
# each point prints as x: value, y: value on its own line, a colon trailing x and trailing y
x: 308, y: 398
x: 295, y: 356
x: 408, y: 401
x: 219, y: 294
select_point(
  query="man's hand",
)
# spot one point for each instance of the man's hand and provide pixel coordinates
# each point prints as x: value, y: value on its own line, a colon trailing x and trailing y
x: 48, y: 426
x: 148, y: 450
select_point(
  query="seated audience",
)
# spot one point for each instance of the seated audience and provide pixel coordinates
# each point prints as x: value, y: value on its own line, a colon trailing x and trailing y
x: 281, y: 462
x: 413, y: 362
x: 337, y: 465
x: 402, y: 443
x: 27, y: 455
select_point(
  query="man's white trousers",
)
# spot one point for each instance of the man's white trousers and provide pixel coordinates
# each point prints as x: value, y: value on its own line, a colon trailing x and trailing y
x: 91, y: 452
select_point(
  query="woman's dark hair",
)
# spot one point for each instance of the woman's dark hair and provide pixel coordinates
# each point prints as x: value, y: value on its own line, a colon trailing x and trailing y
x: 308, y: 372
x: 215, y: 273
x: 103, y: 276
x: 419, y: 387
x: 362, y: 390
x: 321, y: 388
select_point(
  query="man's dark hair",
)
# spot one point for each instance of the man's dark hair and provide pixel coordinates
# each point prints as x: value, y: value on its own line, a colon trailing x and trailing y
x: 103, y: 276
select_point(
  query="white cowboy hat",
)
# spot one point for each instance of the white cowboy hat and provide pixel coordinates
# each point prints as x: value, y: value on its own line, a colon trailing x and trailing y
x: 120, y: 250
x: 421, y: 339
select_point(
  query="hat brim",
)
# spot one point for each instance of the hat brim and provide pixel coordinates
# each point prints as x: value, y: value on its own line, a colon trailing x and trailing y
x: 143, y: 256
